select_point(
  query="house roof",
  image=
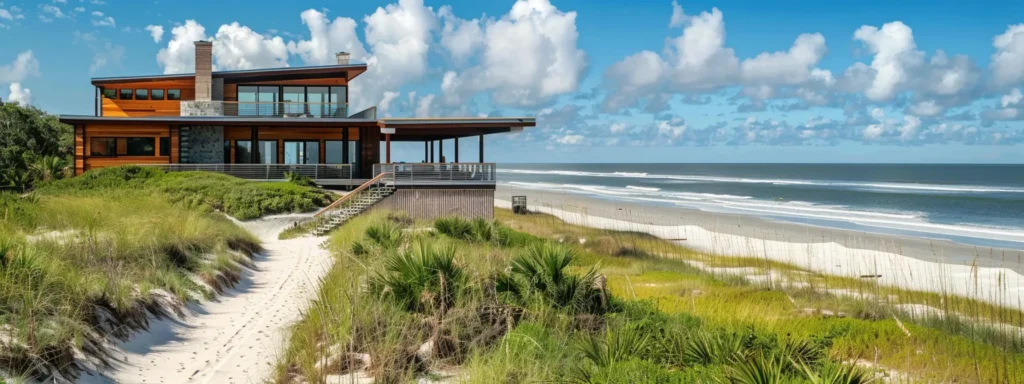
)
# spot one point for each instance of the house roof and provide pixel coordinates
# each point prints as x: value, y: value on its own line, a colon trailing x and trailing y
x: 350, y: 71
x: 406, y: 129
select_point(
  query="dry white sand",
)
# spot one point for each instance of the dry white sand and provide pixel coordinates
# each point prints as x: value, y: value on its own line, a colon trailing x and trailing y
x: 998, y: 285
x: 238, y: 337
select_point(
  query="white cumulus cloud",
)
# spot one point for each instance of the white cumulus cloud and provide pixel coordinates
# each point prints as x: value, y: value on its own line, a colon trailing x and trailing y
x: 20, y: 94
x: 156, y: 32
x: 1008, y: 62
x: 526, y: 57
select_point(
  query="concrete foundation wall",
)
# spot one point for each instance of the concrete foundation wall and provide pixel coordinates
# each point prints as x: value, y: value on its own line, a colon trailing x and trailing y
x: 430, y: 204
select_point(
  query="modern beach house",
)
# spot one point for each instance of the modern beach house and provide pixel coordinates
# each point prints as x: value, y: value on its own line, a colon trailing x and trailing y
x: 266, y: 123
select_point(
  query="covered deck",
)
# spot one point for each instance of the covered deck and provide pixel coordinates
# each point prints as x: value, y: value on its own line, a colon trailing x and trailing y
x: 363, y: 147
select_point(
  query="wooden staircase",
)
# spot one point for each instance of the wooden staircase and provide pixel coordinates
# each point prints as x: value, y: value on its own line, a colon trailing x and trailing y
x: 355, y: 202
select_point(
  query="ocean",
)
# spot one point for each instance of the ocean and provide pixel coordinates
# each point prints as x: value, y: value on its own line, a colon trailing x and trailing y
x: 979, y: 205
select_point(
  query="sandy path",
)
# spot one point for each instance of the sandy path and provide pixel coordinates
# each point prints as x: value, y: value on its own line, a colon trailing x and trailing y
x: 238, y: 337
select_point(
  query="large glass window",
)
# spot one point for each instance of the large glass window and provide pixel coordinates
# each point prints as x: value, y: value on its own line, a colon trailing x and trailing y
x: 333, y: 153
x: 294, y: 99
x: 126, y: 94
x: 156, y: 94
x: 103, y: 146
x: 141, y: 146
x: 165, y: 146
x: 301, y: 152
x: 267, y: 98
x: 109, y: 93
x: 318, y: 99
x: 247, y: 100
x: 243, y: 152
x: 268, y: 152
x: 338, y: 102
x: 142, y: 94
x: 173, y: 94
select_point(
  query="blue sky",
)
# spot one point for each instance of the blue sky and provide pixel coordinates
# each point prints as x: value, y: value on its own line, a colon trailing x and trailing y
x: 637, y: 81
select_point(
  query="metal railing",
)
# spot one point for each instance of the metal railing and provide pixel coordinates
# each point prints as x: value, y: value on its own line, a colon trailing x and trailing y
x: 380, y: 180
x: 264, y: 109
x: 266, y: 171
x: 439, y: 173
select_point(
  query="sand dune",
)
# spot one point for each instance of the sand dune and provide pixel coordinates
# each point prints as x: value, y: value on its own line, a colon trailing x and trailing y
x: 237, y: 338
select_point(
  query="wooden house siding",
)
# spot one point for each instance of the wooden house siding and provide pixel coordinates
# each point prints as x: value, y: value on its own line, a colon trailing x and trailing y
x: 147, y: 108
x: 430, y: 204
x: 100, y: 130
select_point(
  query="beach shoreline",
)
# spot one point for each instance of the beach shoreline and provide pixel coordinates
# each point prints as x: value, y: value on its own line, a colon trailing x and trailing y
x: 989, y: 274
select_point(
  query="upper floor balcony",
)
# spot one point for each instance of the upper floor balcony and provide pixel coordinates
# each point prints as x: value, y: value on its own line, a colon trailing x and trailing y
x: 264, y: 109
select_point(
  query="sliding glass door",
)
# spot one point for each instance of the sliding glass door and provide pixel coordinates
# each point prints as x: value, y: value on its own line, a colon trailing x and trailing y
x: 301, y: 152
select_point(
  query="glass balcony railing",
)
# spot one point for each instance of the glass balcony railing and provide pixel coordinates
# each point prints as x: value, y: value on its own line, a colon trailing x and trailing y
x: 263, y: 109
x: 285, y: 109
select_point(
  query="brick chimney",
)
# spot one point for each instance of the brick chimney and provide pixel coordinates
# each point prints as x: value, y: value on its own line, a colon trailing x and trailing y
x: 204, y: 70
x: 342, y: 58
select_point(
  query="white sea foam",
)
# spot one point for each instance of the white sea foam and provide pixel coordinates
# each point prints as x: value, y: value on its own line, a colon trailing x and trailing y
x: 906, y: 221
x: 920, y: 187
x: 646, y: 189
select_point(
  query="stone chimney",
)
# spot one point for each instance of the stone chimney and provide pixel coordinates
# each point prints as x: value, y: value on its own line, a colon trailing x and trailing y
x: 342, y: 57
x: 204, y: 70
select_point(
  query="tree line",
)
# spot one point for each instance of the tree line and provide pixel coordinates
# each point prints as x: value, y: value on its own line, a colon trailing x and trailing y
x: 35, y: 147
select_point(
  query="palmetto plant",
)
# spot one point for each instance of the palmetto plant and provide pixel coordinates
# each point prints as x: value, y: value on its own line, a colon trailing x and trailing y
x: 705, y: 348
x: 385, y: 234
x: 835, y: 374
x: 49, y: 168
x: 425, y: 279
x: 758, y: 369
x: 542, y: 273
x: 615, y: 346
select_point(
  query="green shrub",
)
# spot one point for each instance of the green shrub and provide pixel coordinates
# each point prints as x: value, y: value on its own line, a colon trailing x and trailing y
x: 455, y: 227
x: 425, y: 279
x: 542, y: 273
x: 242, y: 199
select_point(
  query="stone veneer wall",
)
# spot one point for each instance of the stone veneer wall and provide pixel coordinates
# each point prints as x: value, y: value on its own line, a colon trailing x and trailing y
x: 202, y: 145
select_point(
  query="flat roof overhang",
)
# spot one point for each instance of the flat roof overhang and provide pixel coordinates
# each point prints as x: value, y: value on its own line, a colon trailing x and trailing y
x: 405, y: 129
x: 348, y: 71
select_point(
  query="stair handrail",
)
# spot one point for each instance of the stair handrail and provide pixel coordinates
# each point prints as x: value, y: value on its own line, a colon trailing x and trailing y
x: 351, y: 194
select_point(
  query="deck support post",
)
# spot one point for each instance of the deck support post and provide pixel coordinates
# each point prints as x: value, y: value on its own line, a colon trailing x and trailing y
x: 254, y: 150
x: 431, y: 151
x: 481, y: 148
x: 440, y: 150
x: 344, y: 146
x: 456, y: 149
x: 426, y: 150
x: 387, y: 141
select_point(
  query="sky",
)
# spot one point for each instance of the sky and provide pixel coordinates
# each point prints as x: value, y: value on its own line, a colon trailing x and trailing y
x: 608, y: 81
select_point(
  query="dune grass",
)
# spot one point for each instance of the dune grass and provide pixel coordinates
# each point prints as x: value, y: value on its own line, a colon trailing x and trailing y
x: 93, y: 258
x: 667, y: 318
x: 239, y: 198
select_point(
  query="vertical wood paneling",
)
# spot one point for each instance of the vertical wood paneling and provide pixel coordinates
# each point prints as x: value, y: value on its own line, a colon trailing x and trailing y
x: 79, y: 149
x: 430, y: 204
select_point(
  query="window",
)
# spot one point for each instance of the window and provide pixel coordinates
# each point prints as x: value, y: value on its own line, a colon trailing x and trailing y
x: 126, y: 94
x: 141, y: 146
x: 157, y: 94
x: 267, y: 98
x: 165, y: 146
x: 333, y: 153
x: 338, y: 100
x: 268, y: 152
x: 141, y: 94
x: 103, y: 146
x: 173, y: 94
x: 301, y: 152
x: 294, y: 99
x: 109, y: 93
x: 318, y: 100
x: 243, y: 152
